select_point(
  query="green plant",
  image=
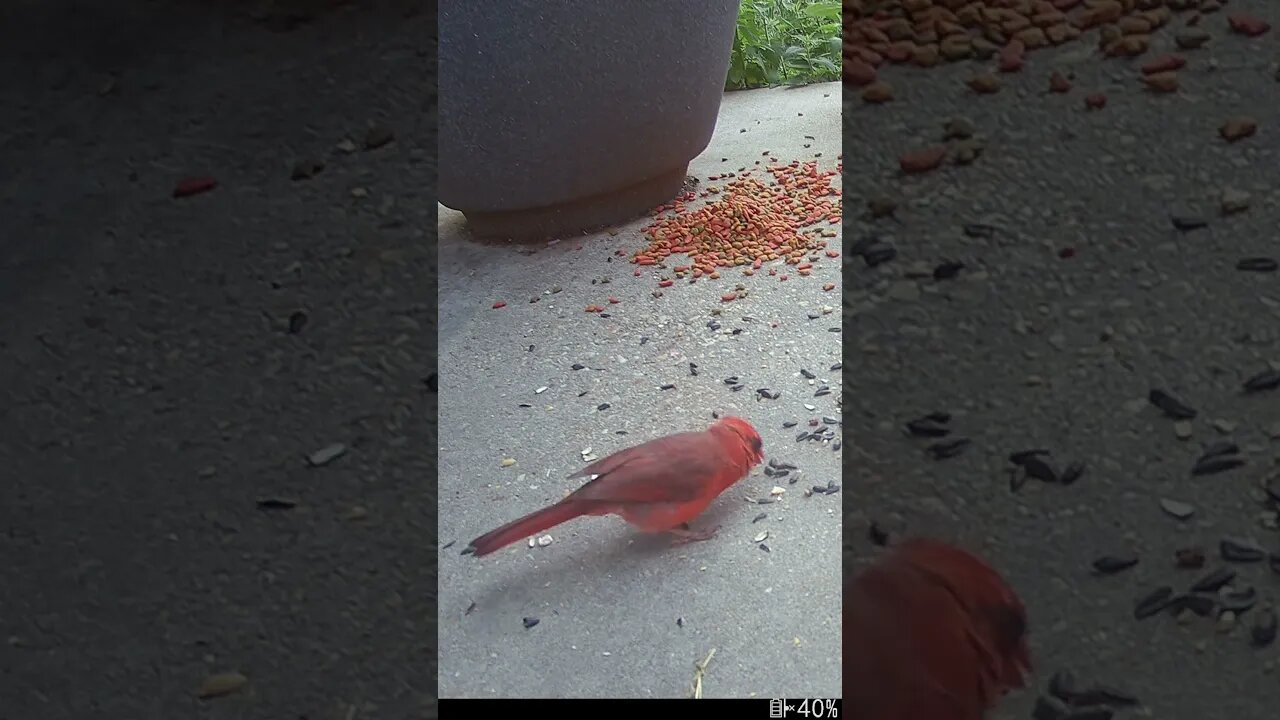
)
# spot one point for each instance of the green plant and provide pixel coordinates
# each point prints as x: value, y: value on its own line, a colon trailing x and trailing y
x: 785, y: 42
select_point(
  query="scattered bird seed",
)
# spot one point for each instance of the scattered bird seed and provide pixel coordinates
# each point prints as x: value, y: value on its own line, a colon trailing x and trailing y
x: 1241, y: 550
x: 1216, y: 464
x: 1177, y: 509
x: 1265, y: 380
x: 1187, y: 223
x: 877, y: 535
x: 1037, y: 469
x: 530, y: 622
x: 327, y: 454
x: 1112, y: 564
x: 1239, y: 601
x: 927, y: 427
x: 1201, y: 605
x: 948, y: 449
x: 275, y: 503
x: 947, y: 270
x: 1257, y: 264
x: 1153, y: 602
x: 1214, y: 581
x: 297, y: 321
x: 221, y: 684
x: 1073, y: 472
x: 759, y: 517
x: 1171, y: 406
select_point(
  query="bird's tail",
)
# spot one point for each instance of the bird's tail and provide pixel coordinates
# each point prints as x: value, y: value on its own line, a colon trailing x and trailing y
x: 531, y: 524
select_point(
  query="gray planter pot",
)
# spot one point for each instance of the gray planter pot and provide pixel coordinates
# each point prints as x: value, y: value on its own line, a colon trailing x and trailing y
x: 559, y: 116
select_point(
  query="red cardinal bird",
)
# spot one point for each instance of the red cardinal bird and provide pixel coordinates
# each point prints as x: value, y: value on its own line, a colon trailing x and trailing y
x: 934, y: 633
x: 657, y: 486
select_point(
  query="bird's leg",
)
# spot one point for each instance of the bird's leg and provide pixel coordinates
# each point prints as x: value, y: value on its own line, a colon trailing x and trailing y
x: 683, y: 534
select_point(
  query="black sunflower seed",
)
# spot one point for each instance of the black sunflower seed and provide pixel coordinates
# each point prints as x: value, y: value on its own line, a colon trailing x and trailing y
x: 802, y: 437
x: 824, y: 390
x: 878, y: 535
x: 1214, y: 581
x: 1170, y: 405
x: 1185, y: 223
x: 603, y: 406
x: 1257, y: 264
x: 832, y: 487
x: 948, y: 449
x: 530, y: 622
x: 835, y: 446
x: 1241, y: 550
x: 827, y: 420
x: 947, y: 270
x: 879, y: 254
x: 1021, y: 457
x: 1202, y: 605
x: 274, y: 503
x: 759, y: 517
x: 789, y: 424
x: 805, y: 372
x: 577, y: 366
x: 835, y: 367
x: 297, y: 321
x: 1153, y: 602
x: 693, y: 368
x: 1072, y: 473
x: 737, y: 387
x: 1216, y: 464
x: 785, y: 466
x: 1240, y: 601
x: 924, y: 427
x: 1263, y: 632
x: 667, y: 386
x: 979, y: 230
x: 1110, y: 564
x: 1038, y: 469
x: 1219, y: 448
x: 1105, y: 695
x: 1265, y: 380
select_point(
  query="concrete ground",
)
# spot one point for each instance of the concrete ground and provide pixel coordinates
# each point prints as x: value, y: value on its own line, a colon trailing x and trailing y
x: 622, y: 614
x: 152, y: 394
x: 1027, y: 348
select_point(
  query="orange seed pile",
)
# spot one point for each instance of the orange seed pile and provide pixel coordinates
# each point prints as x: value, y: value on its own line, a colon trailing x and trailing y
x: 747, y: 223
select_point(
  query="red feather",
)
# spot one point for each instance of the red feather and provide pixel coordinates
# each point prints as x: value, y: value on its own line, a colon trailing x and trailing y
x: 931, y: 631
